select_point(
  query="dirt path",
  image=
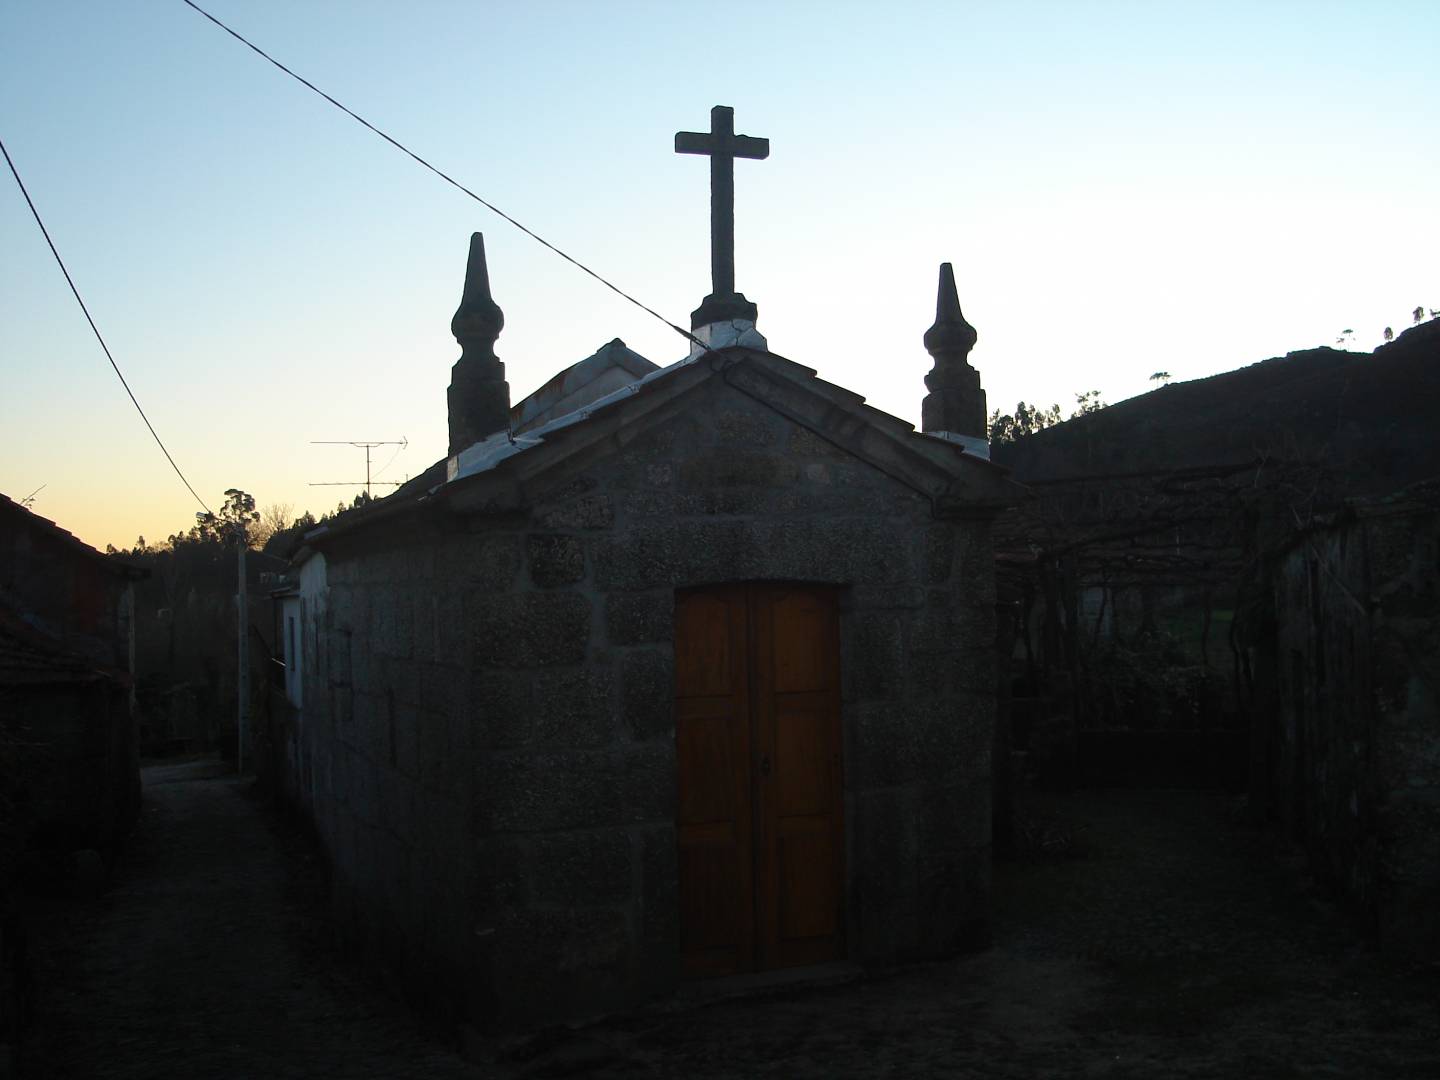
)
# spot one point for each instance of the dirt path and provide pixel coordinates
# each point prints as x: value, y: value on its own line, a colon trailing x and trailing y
x: 1168, y: 941
x: 200, y: 961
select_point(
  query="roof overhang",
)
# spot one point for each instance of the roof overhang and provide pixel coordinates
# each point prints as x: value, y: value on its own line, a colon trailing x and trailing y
x: 500, y: 473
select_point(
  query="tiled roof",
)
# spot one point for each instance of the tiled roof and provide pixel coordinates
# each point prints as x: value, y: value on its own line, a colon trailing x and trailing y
x: 493, y: 449
x: 30, y: 658
x: 28, y: 518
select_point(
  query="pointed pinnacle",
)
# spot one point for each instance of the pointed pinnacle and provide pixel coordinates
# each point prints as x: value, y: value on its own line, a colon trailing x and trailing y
x: 951, y: 335
x: 478, y: 316
x: 477, y: 275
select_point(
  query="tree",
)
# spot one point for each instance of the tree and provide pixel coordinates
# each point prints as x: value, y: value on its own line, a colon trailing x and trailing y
x: 284, y: 542
x: 233, y: 522
x: 275, y: 518
x: 140, y: 548
x: 1162, y: 377
x: 1026, y: 420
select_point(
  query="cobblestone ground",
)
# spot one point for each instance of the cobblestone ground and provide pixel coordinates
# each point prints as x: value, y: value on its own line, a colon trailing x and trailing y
x: 1153, y: 937
x: 206, y: 958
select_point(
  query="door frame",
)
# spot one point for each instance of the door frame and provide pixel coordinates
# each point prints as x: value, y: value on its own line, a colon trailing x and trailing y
x: 753, y: 660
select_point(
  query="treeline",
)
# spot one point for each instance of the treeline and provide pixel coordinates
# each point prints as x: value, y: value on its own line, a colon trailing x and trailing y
x: 273, y: 530
x: 185, y: 617
x: 1028, y: 419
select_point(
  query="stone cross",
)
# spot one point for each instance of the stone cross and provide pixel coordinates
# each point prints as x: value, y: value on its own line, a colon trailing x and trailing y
x: 722, y: 146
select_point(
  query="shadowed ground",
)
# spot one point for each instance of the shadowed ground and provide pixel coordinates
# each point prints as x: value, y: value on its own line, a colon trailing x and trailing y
x: 1151, y: 936
x: 208, y: 958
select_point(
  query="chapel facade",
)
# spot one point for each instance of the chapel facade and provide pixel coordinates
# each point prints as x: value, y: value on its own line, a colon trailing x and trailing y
x: 663, y: 674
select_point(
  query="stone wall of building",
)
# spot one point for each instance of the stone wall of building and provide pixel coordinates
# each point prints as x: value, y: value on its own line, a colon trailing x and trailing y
x: 65, y: 589
x: 72, y: 777
x: 488, y: 707
x: 1355, y: 755
x: 383, y: 750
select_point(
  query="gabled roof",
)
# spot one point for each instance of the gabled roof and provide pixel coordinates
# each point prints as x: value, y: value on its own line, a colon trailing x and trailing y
x: 928, y: 463
x: 494, y: 473
x: 610, y: 368
x: 30, y: 658
x: 493, y: 449
x: 15, y: 515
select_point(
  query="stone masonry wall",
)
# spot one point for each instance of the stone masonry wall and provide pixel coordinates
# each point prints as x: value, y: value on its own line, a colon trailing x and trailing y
x: 385, y: 734
x: 499, y: 776
x: 1358, y: 669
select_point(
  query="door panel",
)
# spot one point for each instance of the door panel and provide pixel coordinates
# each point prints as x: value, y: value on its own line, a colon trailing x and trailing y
x: 798, y: 806
x: 758, y: 739
x: 807, y: 869
x: 704, y: 660
x: 801, y: 778
x: 712, y: 743
x: 800, y: 622
x: 712, y: 759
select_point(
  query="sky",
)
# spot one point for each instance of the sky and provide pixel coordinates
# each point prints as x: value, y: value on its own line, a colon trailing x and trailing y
x: 1123, y: 188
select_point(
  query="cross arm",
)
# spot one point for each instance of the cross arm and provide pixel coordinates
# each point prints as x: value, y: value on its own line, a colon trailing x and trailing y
x: 692, y: 142
x: 746, y: 146
x: 740, y: 146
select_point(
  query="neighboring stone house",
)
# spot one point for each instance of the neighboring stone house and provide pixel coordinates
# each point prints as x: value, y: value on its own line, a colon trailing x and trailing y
x: 663, y: 673
x: 1136, y: 557
x: 1350, y: 762
x: 69, y: 766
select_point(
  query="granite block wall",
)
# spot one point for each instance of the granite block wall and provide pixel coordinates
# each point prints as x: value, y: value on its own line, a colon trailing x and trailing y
x: 492, y: 698
x: 1358, y: 669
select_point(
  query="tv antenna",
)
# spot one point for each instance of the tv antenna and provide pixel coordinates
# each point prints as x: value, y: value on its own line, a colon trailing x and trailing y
x: 367, y: 445
x: 29, y: 500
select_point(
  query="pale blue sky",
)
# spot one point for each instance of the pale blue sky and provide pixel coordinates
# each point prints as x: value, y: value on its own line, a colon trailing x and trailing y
x: 1123, y: 188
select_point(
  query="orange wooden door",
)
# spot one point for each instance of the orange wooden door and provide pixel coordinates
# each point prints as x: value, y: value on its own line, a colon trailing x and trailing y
x: 757, y: 708
x: 713, y: 756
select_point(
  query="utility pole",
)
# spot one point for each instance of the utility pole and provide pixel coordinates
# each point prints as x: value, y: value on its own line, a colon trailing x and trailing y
x: 367, y: 445
x: 242, y: 670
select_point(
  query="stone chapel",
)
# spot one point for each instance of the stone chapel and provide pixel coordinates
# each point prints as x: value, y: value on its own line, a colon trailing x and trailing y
x: 663, y: 674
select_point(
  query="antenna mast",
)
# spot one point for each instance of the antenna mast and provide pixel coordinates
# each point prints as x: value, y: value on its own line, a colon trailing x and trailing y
x: 367, y: 445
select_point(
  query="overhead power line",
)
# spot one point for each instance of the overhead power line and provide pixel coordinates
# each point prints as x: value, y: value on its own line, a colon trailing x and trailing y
x: 446, y: 176
x: 80, y: 300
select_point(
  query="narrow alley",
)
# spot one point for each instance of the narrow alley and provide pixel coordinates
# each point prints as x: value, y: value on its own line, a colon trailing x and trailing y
x: 209, y: 956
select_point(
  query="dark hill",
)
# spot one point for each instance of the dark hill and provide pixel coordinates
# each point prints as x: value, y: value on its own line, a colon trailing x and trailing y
x: 1369, y: 418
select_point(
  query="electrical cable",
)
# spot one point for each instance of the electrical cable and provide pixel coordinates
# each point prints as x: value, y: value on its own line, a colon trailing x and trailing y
x: 446, y: 177
x: 391, y: 461
x: 79, y: 300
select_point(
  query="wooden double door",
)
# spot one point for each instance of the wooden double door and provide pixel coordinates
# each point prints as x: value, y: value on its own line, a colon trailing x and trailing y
x: 758, y: 737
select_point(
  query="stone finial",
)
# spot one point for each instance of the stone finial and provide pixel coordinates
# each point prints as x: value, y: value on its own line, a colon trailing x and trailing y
x: 479, y: 397
x: 951, y: 337
x: 956, y: 403
x: 478, y: 318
